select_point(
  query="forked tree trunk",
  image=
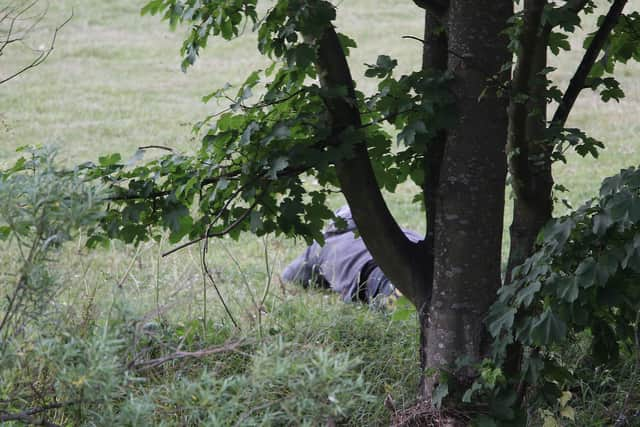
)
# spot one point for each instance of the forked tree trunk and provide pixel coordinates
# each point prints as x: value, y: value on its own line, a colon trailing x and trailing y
x: 469, y: 218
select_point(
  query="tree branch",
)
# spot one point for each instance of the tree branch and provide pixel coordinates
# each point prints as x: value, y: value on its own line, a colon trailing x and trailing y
x: 137, y: 196
x: 438, y: 7
x: 521, y: 90
x: 391, y: 249
x: 205, y: 267
x: 44, y: 54
x: 591, y: 54
x: 158, y: 147
x: 221, y: 233
x: 28, y: 416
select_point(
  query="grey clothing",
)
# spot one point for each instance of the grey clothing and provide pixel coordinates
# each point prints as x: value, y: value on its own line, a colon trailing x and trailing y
x: 343, y: 264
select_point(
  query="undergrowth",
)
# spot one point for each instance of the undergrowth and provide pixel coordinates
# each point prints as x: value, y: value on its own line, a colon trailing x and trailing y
x: 334, y: 364
x: 82, y: 350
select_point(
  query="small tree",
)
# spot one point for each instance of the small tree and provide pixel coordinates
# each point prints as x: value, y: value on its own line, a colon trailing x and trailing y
x: 458, y: 120
x: 42, y: 206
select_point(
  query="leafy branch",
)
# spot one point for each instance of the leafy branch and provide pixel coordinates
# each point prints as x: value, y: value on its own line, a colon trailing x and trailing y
x: 579, y: 78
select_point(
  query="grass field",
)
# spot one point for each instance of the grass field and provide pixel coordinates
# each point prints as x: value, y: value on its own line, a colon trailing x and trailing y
x: 113, y: 83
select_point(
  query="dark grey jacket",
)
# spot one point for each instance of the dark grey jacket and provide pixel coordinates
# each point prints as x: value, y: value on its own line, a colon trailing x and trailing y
x: 343, y: 264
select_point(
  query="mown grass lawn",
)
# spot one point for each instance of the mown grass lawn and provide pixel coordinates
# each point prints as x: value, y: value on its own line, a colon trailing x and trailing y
x: 113, y: 83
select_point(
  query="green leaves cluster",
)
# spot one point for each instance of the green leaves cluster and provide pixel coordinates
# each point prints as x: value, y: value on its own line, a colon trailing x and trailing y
x: 223, y: 18
x: 583, y: 277
x: 623, y: 45
x: 418, y: 105
x: 266, y: 162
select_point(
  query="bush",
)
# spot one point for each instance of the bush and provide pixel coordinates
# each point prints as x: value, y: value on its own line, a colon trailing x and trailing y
x: 41, y: 207
x: 285, y: 384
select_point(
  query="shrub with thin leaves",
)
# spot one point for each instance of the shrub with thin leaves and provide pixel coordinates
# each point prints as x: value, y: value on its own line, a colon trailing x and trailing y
x: 286, y: 384
x: 41, y: 207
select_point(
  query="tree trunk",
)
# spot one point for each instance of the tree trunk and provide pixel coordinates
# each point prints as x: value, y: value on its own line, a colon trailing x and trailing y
x: 434, y: 57
x: 529, y: 152
x: 533, y: 202
x: 469, y: 218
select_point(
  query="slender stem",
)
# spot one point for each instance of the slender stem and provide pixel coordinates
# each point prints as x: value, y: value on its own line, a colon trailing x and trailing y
x: 209, y: 234
x: 157, y: 278
x: 205, y: 267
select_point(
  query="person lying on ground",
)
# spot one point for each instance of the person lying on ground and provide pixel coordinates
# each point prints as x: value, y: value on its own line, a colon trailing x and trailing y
x: 343, y: 264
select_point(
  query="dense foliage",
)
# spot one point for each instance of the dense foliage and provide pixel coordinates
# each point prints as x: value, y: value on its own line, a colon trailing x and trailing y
x: 266, y: 161
x: 583, y: 277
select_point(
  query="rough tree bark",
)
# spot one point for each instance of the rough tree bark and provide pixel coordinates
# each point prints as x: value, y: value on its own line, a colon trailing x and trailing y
x: 469, y: 218
x: 434, y: 57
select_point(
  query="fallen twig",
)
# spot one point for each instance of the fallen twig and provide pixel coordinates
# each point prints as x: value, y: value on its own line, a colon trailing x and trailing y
x: 153, y: 363
x: 28, y: 416
x: 159, y: 147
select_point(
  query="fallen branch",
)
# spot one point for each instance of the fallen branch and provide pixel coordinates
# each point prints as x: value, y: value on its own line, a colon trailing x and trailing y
x: 28, y: 416
x: 153, y: 363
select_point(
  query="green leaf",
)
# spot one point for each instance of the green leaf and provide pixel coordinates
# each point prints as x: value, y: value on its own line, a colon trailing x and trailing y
x: 440, y: 393
x: 567, y: 288
x: 548, y: 328
x: 404, y: 309
x: 527, y: 293
x: 278, y: 164
x: 346, y: 42
x: 502, y: 404
x: 466, y: 397
x: 383, y: 68
x: 249, y: 130
x: 5, y: 231
x: 173, y: 215
x: 601, y: 223
x: 500, y: 317
x: 607, y: 266
x: 304, y: 56
x: 586, y: 273
x: 558, y: 41
x: 109, y: 160
x: 153, y: 7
